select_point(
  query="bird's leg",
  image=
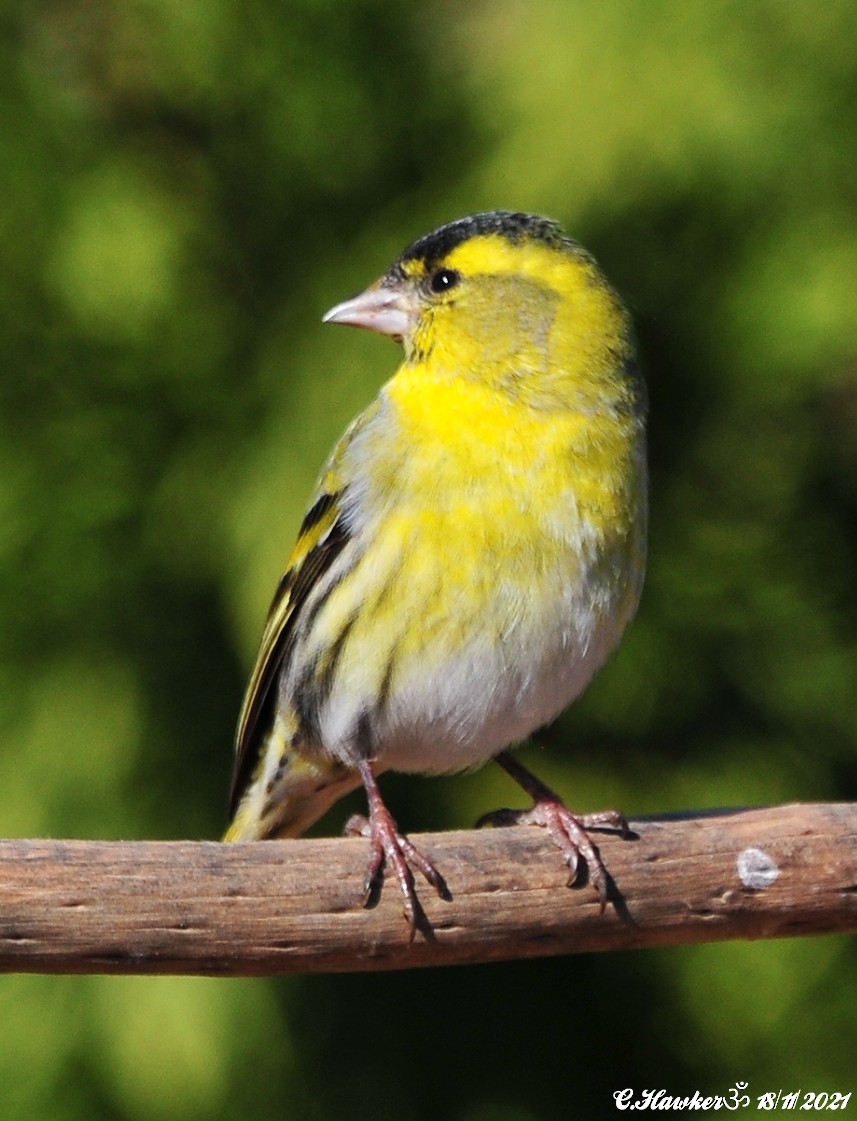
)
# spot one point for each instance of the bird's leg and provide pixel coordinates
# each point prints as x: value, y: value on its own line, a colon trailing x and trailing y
x: 388, y: 846
x: 567, y: 830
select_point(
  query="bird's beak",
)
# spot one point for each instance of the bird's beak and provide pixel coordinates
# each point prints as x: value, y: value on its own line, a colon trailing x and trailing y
x: 380, y: 308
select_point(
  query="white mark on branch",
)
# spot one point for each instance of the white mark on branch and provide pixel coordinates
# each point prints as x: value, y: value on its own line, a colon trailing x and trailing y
x: 756, y: 869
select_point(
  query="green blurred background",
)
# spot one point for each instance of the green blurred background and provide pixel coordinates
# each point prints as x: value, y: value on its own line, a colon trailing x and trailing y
x: 186, y: 187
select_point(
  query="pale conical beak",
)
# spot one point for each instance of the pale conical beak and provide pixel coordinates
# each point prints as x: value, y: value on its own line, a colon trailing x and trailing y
x: 380, y: 309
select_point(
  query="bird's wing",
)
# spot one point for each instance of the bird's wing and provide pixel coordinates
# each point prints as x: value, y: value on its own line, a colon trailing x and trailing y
x: 322, y: 537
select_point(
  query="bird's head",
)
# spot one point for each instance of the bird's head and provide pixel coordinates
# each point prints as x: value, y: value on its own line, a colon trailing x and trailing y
x: 503, y: 297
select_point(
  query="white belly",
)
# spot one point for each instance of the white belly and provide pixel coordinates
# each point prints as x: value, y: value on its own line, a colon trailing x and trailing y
x: 445, y: 711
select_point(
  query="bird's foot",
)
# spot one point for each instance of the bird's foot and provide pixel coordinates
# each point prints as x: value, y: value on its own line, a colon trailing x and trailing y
x: 388, y: 847
x: 567, y: 830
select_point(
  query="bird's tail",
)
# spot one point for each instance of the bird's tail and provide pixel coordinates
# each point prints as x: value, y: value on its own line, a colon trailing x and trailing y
x: 288, y: 793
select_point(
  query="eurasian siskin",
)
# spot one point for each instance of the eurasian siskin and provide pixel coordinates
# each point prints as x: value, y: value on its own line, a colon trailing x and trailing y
x: 474, y: 549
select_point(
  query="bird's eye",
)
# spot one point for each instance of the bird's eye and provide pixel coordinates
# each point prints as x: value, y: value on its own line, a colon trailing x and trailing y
x: 443, y: 279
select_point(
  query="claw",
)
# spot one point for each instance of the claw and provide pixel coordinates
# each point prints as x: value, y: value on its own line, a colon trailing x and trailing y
x: 567, y: 830
x: 390, y: 848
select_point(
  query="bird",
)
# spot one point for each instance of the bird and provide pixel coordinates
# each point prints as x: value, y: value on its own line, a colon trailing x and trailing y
x: 472, y: 554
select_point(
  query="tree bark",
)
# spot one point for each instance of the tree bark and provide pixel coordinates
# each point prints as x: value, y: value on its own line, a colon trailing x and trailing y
x: 294, y: 906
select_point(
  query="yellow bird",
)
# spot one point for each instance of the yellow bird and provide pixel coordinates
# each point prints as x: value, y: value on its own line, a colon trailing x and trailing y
x: 474, y: 549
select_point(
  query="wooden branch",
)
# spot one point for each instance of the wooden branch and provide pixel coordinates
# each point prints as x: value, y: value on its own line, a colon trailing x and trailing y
x: 292, y: 906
